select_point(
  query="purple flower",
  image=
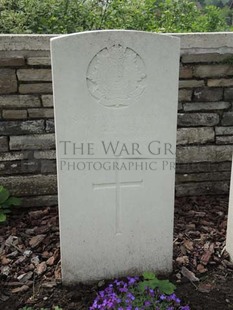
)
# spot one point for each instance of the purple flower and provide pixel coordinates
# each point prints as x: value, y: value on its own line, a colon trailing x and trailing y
x: 101, y: 293
x: 177, y: 300
x: 130, y: 296
x: 123, y: 289
x: 124, y: 295
x: 151, y: 292
x: 132, y: 280
x: 172, y: 297
x: 147, y: 303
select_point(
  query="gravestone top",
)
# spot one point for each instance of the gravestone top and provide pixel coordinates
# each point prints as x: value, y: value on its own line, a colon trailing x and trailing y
x: 115, y: 112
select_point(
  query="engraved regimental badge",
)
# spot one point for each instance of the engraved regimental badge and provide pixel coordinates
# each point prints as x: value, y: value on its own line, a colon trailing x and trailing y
x: 116, y: 76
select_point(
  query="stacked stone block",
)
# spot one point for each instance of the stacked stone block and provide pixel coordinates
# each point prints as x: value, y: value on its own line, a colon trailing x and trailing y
x: 27, y: 143
x: 205, y: 124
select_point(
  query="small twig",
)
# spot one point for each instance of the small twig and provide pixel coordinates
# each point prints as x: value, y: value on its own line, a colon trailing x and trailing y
x: 17, y: 248
x: 194, y: 285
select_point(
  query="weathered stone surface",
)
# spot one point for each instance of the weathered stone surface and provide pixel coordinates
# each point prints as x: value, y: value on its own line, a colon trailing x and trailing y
x: 31, y: 44
x: 29, y: 101
x: 40, y: 201
x: 18, y: 167
x: 221, y: 131
x: 200, y: 177
x: 202, y: 188
x: 33, y: 185
x: 224, y: 140
x: 47, y: 101
x: 39, y: 61
x: 3, y: 144
x: 213, y: 70
x: 206, y: 106
x: 39, y: 88
x: 208, y: 153
x: 8, y: 81
x: 48, y: 166
x: 214, y: 57
x: 227, y: 119
x: 41, y: 113
x: 50, y: 126
x: 228, y: 94
x: 19, y: 101
x: 186, y: 72
x: 33, y: 142
x: 93, y: 113
x: 180, y: 106
x: 220, y: 82
x: 51, y: 154
x: 14, y: 156
x: 208, y: 94
x: 14, y: 114
x: 15, y: 61
x: 43, y: 75
x: 185, y: 94
x: 195, y: 135
x: 202, y: 167
x: 21, y: 127
x: 191, y: 83
x: 197, y: 119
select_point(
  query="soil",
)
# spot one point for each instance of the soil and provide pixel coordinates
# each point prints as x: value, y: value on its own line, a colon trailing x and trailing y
x: 30, y: 273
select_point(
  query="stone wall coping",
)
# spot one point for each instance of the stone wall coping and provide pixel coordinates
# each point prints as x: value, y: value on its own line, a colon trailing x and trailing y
x: 191, y: 43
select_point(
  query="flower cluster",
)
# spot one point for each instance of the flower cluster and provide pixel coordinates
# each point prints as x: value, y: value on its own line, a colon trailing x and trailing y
x: 125, y: 295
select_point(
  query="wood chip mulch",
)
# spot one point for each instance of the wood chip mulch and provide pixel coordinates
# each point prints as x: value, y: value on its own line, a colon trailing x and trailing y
x: 30, y: 253
x: 200, y: 235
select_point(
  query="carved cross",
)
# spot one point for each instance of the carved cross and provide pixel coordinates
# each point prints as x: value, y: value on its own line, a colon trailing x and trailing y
x: 117, y: 186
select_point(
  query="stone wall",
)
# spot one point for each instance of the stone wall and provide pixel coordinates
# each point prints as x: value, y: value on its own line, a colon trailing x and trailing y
x: 205, y: 117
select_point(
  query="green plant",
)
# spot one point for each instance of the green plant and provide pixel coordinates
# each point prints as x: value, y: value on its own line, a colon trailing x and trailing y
x: 134, y: 294
x: 6, y: 201
x: 66, y: 16
x: 151, y: 281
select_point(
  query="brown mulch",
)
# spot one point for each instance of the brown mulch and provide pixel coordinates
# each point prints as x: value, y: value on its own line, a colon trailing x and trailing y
x: 30, y: 272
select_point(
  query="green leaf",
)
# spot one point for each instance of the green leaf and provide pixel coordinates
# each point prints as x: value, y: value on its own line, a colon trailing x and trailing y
x: 166, y: 287
x: 2, y: 217
x: 150, y: 283
x: 142, y: 286
x: 13, y: 201
x: 4, y: 194
x: 153, y: 283
x: 148, y: 275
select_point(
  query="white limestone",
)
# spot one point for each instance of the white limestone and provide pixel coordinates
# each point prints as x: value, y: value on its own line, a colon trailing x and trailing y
x: 191, y: 43
x: 229, y: 241
x: 115, y: 111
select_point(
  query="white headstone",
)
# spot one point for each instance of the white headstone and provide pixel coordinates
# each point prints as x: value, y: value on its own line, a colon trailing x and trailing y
x: 115, y: 111
x: 229, y: 241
